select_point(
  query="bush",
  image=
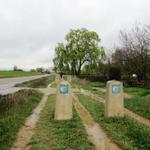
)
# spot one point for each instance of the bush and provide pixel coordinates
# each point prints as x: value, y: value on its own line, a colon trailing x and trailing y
x: 10, y: 100
x: 114, y: 73
x: 94, y: 78
x: 14, y: 109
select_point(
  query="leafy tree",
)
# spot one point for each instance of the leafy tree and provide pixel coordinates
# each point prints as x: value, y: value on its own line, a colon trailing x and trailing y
x: 15, y: 68
x: 40, y: 69
x: 81, y: 48
x: 33, y: 70
x: 61, y: 63
x: 100, y: 68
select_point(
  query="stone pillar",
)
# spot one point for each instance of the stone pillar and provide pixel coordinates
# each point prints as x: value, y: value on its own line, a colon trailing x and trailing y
x: 63, y: 108
x: 57, y: 79
x: 64, y: 77
x: 114, y: 105
x: 69, y: 78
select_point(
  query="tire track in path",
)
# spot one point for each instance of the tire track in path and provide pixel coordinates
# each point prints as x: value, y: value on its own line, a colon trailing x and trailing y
x: 127, y: 112
x: 27, y: 130
x: 95, y: 133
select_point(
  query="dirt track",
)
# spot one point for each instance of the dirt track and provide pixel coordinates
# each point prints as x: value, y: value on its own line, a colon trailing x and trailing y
x: 94, y: 131
x: 129, y: 113
x: 137, y: 117
x: 27, y: 130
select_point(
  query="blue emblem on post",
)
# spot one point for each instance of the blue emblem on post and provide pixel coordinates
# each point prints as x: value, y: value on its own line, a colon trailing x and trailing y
x: 116, y: 89
x: 64, y: 89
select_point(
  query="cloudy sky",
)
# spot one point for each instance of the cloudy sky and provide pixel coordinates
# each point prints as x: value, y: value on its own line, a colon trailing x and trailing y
x: 30, y: 29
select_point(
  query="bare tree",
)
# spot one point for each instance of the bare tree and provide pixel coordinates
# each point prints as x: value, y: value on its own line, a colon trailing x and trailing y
x: 134, y: 53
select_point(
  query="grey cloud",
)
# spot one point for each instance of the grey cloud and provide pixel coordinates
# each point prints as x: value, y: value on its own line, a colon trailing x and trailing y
x: 30, y: 29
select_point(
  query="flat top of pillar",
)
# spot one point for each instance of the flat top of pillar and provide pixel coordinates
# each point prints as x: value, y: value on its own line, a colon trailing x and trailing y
x: 57, y: 76
x: 114, y: 81
x: 64, y: 82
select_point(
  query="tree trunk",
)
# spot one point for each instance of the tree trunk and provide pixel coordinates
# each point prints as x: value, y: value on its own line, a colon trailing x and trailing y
x: 79, y: 69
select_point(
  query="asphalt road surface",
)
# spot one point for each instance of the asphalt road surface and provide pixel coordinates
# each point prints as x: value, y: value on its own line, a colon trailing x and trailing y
x: 7, y: 84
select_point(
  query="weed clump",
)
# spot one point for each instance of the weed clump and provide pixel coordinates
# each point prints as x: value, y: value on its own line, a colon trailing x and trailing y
x: 14, y: 109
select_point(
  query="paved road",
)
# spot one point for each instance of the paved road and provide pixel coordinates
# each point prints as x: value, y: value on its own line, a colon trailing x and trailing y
x: 7, y: 84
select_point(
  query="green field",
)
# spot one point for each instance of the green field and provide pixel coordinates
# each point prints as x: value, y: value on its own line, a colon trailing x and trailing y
x: 10, y: 74
x: 127, y: 133
x: 59, y: 135
x: 14, y: 109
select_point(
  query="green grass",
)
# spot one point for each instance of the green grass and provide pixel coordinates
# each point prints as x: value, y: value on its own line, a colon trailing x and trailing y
x: 99, y: 93
x: 137, y: 91
x: 54, y: 85
x: 85, y: 84
x: 59, y: 135
x: 37, y: 83
x: 10, y: 74
x: 139, y: 105
x: 140, y: 102
x: 127, y: 133
x: 13, y: 116
x: 89, y: 85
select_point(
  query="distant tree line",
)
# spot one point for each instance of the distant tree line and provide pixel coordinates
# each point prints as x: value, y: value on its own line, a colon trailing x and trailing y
x: 15, y: 68
x: 39, y: 69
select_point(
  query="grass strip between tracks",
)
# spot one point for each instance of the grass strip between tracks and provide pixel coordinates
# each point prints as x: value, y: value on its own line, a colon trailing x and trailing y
x: 126, y: 132
x: 59, y: 135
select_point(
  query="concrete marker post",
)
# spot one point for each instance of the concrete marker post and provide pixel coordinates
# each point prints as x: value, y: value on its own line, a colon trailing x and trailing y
x: 114, y: 105
x: 64, y: 77
x: 69, y: 78
x: 63, y: 108
x: 57, y: 79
